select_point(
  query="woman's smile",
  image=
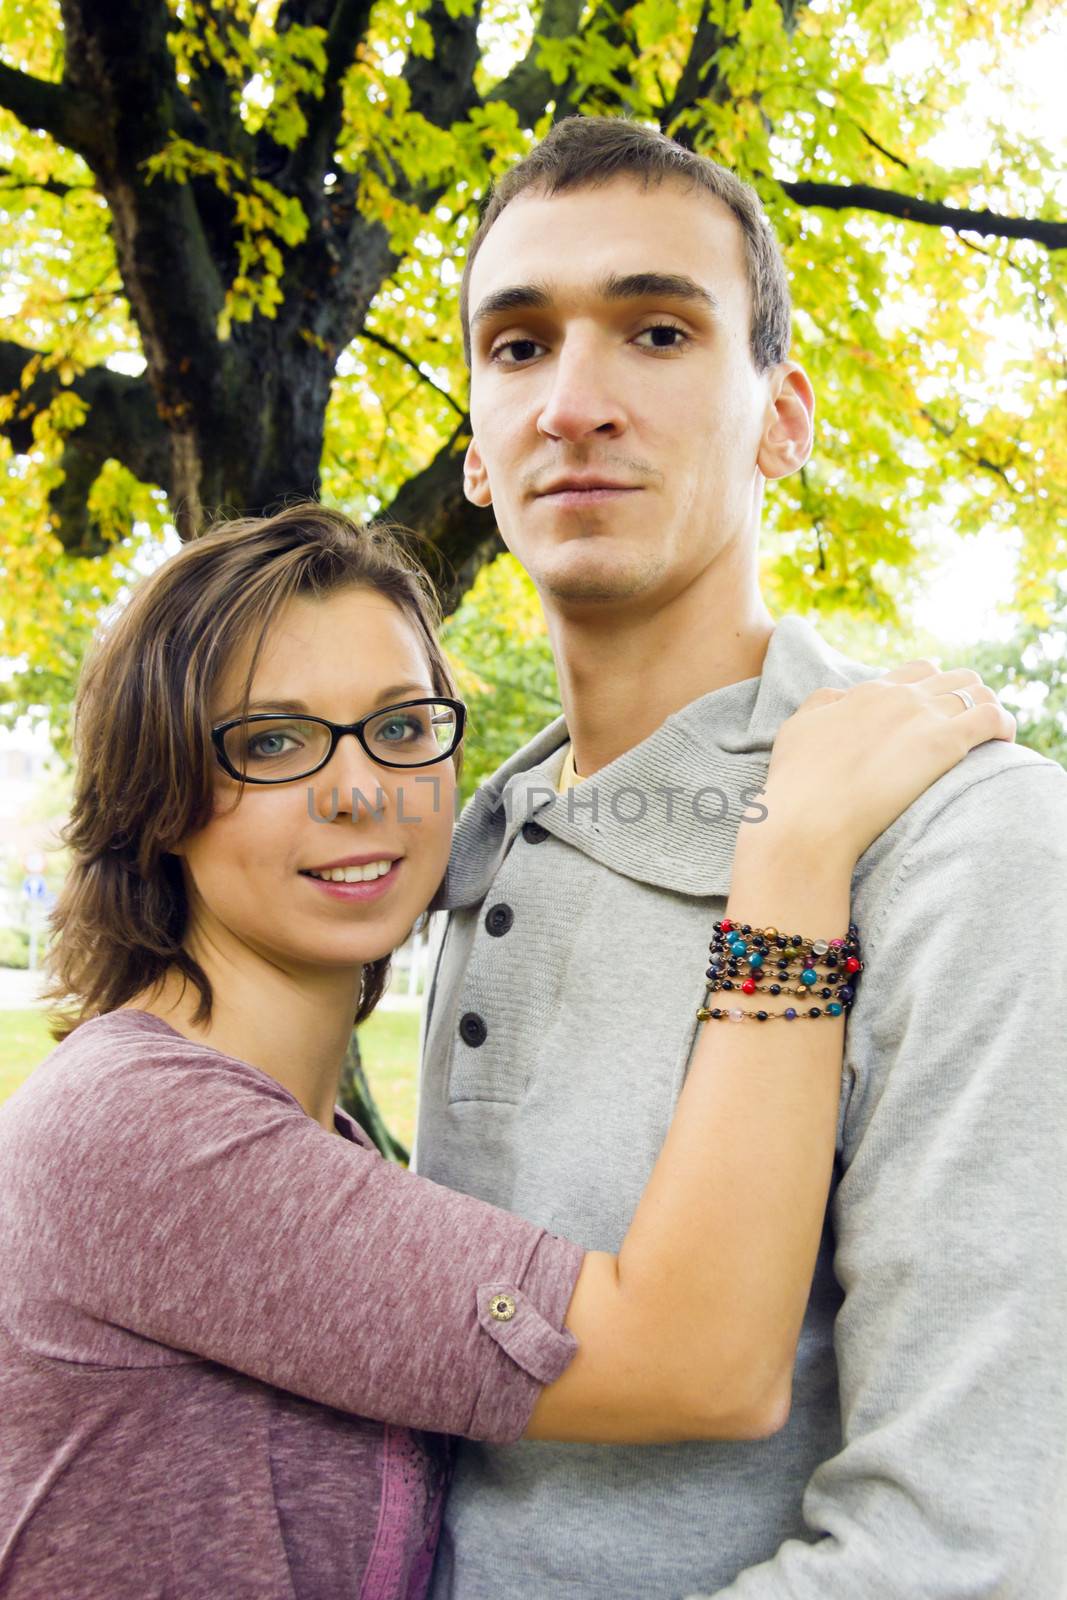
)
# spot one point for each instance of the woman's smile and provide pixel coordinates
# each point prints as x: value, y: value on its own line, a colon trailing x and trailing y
x: 356, y: 881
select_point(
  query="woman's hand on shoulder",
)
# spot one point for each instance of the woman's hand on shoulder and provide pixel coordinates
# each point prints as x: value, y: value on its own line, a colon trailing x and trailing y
x: 848, y: 762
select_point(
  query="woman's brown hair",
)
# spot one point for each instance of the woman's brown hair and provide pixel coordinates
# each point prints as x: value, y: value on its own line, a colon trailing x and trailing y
x: 145, y: 765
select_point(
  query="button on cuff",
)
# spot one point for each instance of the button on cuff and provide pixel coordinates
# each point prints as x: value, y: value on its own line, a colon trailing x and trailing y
x: 511, y: 1318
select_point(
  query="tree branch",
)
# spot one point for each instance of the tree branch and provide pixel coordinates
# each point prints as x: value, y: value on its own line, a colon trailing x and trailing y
x: 442, y: 87
x: 58, y: 109
x: 346, y: 28
x: 873, y: 142
x: 789, y: 9
x: 121, y: 422
x: 208, y: 111
x: 10, y: 183
x: 528, y: 88
x: 946, y: 430
x: 118, y: 54
x: 692, y: 85
x: 347, y: 25
x: 409, y: 361
x: 464, y: 536
x: 887, y: 202
x: 305, y: 14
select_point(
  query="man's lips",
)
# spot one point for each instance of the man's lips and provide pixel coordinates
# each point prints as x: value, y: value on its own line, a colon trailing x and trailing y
x: 586, y: 494
x: 584, y: 481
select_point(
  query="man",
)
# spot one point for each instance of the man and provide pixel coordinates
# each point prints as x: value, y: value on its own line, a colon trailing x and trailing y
x: 631, y: 391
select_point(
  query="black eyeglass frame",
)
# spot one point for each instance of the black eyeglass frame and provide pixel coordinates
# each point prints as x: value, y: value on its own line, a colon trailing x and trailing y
x: 337, y: 732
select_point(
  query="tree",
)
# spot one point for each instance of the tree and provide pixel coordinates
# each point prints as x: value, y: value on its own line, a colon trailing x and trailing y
x: 497, y: 644
x: 1029, y: 671
x: 235, y: 232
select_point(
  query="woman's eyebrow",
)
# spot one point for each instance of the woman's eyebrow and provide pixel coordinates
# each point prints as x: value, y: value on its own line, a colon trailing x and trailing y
x: 616, y: 286
x: 395, y: 691
x: 265, y: 705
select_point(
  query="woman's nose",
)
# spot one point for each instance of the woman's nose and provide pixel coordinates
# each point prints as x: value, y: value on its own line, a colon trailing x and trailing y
x: 351, y: 782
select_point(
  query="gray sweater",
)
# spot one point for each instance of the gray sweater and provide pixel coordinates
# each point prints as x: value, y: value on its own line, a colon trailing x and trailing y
x: 924, y: 1458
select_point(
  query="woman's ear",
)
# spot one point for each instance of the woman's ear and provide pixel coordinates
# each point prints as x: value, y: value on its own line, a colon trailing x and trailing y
x: 476, y: 478
x: 788, y: 430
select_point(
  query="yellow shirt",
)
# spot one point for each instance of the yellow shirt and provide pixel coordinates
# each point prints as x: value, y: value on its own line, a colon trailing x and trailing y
x: 568, y: 777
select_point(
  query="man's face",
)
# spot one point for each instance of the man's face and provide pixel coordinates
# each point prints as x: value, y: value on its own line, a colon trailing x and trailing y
x: 649, y: 385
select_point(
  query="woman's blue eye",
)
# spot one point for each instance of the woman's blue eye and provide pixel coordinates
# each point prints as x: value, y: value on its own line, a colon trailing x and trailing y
x: 405, y: 725
x: 266, y: 745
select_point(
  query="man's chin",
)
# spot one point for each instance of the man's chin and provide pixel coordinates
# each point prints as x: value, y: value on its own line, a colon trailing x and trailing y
x: 595, y: 579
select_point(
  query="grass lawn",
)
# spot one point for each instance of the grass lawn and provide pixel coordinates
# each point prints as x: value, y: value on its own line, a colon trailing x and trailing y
x: 389, y: 1045
x: 24, y: 1040
x: 389, y: 1042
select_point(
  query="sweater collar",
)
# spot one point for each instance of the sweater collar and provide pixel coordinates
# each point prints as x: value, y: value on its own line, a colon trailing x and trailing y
x: 666, y: 812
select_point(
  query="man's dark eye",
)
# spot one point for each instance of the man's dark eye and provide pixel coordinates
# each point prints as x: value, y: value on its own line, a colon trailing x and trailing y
x: 521, y: 348
x: 680, y: 335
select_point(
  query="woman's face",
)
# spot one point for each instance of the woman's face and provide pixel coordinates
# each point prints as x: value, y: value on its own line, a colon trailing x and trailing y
x: 248, y: 871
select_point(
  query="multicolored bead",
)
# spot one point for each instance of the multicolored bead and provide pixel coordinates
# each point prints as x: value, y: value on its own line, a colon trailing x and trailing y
x: 745, y: 963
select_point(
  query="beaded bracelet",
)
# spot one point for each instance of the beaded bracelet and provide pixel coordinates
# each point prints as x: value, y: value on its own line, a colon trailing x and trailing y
x: 734, y: 943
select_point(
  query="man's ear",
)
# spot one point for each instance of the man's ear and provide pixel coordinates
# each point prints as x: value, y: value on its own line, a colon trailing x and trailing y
x: 788, y: 425
x: 475, y: 478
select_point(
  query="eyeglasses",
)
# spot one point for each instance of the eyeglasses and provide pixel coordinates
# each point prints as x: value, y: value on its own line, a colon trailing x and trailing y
x: 275, y: 747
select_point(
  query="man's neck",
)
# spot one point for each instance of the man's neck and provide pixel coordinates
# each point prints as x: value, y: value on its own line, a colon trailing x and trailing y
x: 622, y: 675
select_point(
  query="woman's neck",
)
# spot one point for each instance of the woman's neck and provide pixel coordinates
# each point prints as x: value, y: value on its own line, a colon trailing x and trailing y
x: 293, y: 1025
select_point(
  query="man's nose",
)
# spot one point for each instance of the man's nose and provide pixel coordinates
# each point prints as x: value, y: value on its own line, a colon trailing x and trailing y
x: 583, y: 397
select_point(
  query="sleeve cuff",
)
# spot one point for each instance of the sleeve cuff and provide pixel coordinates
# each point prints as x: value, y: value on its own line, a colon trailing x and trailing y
x: 511, y: 1318
x: 526, y: 1325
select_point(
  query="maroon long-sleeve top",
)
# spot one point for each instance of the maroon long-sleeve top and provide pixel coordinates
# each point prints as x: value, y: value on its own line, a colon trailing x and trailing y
x: 230, y: 1342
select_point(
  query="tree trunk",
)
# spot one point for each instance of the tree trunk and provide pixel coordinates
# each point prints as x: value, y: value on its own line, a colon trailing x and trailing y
x: 355, y: 1097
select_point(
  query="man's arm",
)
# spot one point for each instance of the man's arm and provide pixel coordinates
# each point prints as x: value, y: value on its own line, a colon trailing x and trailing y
x: 951, y: 1228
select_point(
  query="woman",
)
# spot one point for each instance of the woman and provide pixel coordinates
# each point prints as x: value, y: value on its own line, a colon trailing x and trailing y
x: 222, y: 1315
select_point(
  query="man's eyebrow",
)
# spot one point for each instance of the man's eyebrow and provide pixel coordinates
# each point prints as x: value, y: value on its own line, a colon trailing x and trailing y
x: 661, y: 285
x: 617, y: 286
x: 518, y: 297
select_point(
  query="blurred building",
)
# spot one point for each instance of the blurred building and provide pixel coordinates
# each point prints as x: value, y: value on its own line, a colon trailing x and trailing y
x: 29, y: 818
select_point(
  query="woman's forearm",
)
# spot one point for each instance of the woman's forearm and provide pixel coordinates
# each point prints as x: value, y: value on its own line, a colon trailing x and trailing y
x: 691, y: 1331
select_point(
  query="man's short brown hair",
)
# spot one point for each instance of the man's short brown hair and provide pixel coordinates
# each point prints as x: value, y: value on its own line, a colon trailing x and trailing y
x: 584, y: 152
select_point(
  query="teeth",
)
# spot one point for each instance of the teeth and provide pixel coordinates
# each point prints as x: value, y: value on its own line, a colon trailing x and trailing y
x: 367, y: 874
